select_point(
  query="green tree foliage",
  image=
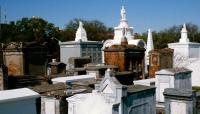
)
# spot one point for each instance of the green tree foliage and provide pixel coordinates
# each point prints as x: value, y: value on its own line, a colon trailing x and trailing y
x: 29, y: 29
x: 40, y: 30
x: 8, y: 32
x: 173, y: 34
x: 36, y: 29
x: 95, y: 29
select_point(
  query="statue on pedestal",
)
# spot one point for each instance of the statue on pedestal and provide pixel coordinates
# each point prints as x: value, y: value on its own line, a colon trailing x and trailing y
x: 123, y: 13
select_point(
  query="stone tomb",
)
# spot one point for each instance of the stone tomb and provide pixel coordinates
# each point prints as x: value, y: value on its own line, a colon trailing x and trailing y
x: 180, y: 101
x: 13, y: 58
x: 160, y: 59
x: 24, y: 58
x: 55, y: 67
x: 81, y: 47
x: 98, y: 70
x: 187, y: 54
x: 111, y: 97
x: 52, y: 98
x: 139, y: 100
x: 179, y: 78
x: 78, y: 62
x: 184, y: 48
x: 18, y: 101
x: 127, y: 58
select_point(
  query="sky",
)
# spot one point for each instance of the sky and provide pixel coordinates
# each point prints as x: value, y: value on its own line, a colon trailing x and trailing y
x: 141, y: 14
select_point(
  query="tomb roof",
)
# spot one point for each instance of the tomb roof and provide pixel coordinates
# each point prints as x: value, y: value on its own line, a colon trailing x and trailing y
x: 178, y: 92
x: 138, y: 88
x: 123, y: 48
x: 162, y: 51
x: 17, y: 94
x: 172, y: 71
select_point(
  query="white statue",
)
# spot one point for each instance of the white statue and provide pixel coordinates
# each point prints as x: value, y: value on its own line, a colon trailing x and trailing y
x: 123, y: 13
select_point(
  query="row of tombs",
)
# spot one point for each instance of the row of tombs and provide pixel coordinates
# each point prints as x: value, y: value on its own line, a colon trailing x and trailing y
x: 124, y: 52
x: 171, y: 93
x: 32, y: 62
x: 71, y: 85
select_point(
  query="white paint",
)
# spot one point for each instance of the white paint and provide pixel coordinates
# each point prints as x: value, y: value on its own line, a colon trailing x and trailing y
x: 178, y: 107
x: 73, y: 78
x: 92, y: 73
x: 149, y: 46
x: 163, y: 86
x: 184, y: 47
x: 73, y: 100
x: 184, y: 36
x: 81, y: 33
x: 17, y: 94
x: 18, y: 101
x: 195, y: 67
x: 100, y: 106
x: 50, y: 106
x: 119, y: 30
x: 163, y: 82
x: 84, y: 104
x: 70, y: 108
x: 187, y: 54
x: 146, y: 82
x: 172, y: 78
x: 68, y: 50
x: 108, y: 90
x: 118, y: 33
